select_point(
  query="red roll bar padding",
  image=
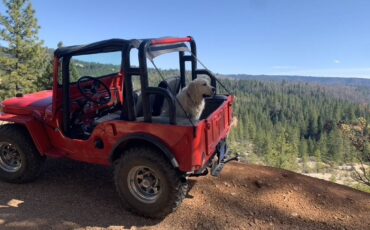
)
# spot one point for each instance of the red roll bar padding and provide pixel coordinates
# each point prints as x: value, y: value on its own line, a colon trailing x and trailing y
x: 170, y: 41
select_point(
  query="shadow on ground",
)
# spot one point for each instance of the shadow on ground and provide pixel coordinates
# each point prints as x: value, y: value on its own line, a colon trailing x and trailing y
x: 68, y: 195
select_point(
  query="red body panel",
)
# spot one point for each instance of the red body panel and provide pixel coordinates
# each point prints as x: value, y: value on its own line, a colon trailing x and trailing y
x: 34, y: 103
x: 191, y: 153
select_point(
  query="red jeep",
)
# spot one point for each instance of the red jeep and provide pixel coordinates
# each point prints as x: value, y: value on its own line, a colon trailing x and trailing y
x: 99, y: 118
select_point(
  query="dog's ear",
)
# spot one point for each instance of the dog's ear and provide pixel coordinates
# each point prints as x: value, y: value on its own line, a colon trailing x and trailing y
x: 192, y: 88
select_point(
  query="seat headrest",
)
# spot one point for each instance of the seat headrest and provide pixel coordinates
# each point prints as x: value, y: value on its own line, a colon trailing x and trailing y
x: 173, y: 84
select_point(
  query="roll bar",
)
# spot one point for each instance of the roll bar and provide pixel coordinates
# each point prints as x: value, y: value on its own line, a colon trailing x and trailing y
x: 142, y: 71
x: 170, y: 99
x: 146, y: 90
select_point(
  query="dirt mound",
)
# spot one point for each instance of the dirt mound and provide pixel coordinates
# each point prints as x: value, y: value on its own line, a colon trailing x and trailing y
x: 72, y: 195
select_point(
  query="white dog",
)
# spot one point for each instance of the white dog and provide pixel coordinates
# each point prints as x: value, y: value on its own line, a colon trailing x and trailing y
x: 191, y: 99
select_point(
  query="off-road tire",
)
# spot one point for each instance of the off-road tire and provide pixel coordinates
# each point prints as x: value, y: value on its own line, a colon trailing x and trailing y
x: 31, y: 160
x: 173, y: 184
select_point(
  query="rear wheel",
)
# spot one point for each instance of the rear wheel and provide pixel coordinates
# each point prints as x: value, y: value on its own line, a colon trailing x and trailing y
x: 148, y: 184
x: 20, y: 162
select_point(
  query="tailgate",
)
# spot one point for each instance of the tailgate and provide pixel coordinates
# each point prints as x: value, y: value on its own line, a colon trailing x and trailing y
x: 218, y: 125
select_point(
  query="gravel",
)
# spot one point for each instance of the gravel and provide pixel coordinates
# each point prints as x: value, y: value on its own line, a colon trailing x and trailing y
x: 73, y: 195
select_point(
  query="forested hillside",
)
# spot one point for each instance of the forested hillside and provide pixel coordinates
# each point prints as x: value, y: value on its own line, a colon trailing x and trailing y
x: 328, y: 81
x: 279, y: 122
x: 353, y: 89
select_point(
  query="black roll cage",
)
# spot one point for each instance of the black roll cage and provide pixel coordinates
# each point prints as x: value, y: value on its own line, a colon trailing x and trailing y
x: 125, y: 46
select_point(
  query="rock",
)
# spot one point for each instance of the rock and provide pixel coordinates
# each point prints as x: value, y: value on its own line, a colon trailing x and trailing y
x: 227, y: 184
x: 294, y: 214
x: 207, y: 225
x: 115, y: 228
x: 259, y: 183
x: 233, y: 194
x: 15, y: 203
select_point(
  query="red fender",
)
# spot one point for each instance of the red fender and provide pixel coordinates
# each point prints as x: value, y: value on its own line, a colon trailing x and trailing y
x: 35, y: 129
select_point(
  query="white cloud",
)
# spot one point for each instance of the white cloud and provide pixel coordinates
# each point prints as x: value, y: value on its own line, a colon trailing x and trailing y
x: 336, y: 61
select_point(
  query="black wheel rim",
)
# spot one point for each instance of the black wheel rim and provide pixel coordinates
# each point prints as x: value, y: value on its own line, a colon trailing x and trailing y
x: 144, y: 184
x: 10, y: 157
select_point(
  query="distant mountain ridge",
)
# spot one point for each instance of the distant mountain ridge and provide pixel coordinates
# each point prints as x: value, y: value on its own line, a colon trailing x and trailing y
x: 324, y: 81
x: 327, y: 81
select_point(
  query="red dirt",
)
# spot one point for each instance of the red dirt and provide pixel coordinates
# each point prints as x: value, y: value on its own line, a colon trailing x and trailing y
x: 71, y: 195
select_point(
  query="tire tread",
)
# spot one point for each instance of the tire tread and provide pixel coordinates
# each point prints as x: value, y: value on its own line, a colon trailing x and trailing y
x: 179, y: 187
x: 34, y: 159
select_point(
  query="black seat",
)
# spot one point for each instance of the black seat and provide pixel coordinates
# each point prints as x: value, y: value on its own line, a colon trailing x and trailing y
x: 173, y: 84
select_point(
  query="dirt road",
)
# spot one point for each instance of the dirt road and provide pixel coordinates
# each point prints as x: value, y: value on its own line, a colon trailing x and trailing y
x: 71, y: 195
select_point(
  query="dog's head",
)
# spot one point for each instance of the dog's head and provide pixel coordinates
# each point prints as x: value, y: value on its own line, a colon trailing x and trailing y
x: 200, y: 88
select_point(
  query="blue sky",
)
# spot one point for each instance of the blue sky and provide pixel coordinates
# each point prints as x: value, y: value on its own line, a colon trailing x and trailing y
x: 305, y: 37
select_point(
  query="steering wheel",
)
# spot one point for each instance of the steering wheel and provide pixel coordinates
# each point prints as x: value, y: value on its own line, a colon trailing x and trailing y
x: 91, y: 91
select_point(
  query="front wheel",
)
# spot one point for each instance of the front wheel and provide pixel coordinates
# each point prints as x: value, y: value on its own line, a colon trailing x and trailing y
x: 148, y: 184
x: 20, y: 162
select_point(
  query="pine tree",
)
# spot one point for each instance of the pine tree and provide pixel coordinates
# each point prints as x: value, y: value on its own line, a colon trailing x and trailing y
x: 46, y: 80
x: 241, y: 130
x: 302, y: 148
x: 305, y: 159
x: 311, y: 147
x: 25, y: 59
x: 335, y: 146
x: 318, y: 160
x: 323, y: 146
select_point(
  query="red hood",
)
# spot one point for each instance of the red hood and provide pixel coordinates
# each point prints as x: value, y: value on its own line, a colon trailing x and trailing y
x: 28, y: 104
